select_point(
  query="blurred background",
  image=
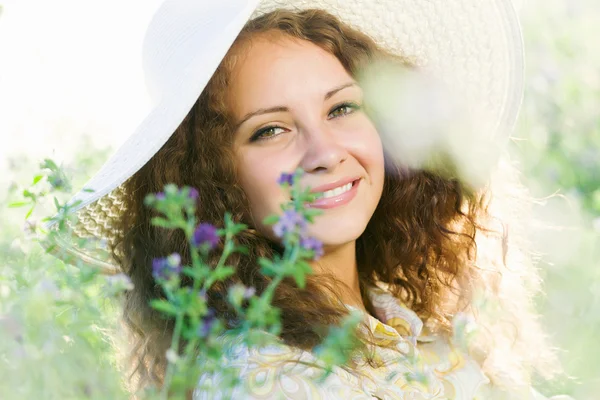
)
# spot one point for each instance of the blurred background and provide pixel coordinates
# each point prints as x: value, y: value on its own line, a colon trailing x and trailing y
x: 556, y: 143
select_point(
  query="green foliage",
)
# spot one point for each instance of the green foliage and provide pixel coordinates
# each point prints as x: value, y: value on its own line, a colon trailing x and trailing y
x: 195, y: 321
x: 558, y: 146
x: 57, y: 321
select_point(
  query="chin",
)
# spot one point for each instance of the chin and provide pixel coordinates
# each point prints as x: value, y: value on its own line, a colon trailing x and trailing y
x: 337, y: 233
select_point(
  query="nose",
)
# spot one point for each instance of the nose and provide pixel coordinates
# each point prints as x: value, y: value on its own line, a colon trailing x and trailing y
x: 324, y: 151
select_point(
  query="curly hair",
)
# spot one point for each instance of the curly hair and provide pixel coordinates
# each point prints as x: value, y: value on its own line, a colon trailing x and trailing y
x: 421, y: 243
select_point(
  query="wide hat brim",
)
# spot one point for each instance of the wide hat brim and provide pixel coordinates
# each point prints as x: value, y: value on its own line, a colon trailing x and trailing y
x: 474, y: 46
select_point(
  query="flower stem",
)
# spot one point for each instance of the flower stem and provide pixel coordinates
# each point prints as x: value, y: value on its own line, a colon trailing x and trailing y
x: 174, y: 347
x: 268, y: 294
x: 293, y: 256
x: 224, y: 256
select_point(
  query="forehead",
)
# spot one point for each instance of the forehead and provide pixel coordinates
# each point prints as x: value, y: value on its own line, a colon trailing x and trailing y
x: 272, y: 69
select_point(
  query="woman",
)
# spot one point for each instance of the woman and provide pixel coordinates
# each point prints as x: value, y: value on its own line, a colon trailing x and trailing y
x: 400, y: 242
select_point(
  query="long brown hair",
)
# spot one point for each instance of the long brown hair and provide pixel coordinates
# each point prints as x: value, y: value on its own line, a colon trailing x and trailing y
x: 421, y: 241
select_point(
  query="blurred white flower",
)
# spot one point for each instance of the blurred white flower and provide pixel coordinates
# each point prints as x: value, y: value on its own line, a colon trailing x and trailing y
x: 4, y: 291
x: 424, y: 126
x: 172, y: 356
x: 596, y: 224
x: 118, y: 283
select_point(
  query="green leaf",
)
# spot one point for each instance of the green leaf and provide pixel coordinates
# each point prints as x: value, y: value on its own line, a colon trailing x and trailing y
x: 219, y: 274
x: 29, y: 213
x: 18, y: 204
x: 197, y: 273
x: 74, y: 205
x: 242, y: 250
x: 312, y: 212
x: 161, y: 222
x: 237, y: 228
x: 37, y: 178
x: 228, y: 220
x: 51, y: 165
x: 267, y: 265
x: 164, y: 307
x: 300, y: 278
x: 304, y: 266
x: 222, y: 273
x: 271, y: 219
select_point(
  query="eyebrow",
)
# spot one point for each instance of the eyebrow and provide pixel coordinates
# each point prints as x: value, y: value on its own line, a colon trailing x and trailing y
x: 262, y: 111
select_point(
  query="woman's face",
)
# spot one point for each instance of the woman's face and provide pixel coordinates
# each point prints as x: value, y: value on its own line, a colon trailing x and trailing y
x: 296, y: 106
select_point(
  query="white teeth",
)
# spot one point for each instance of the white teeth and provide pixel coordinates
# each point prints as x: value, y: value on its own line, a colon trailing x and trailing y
x: 337, y: 191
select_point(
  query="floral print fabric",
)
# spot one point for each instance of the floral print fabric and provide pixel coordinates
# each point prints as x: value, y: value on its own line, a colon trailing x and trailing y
x: 412, y: 365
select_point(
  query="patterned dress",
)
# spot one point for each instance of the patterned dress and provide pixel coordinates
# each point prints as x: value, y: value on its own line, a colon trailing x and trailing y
x: 417, y: 366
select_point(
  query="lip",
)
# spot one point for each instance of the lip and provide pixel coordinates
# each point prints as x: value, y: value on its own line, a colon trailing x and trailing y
x: 338, y: 200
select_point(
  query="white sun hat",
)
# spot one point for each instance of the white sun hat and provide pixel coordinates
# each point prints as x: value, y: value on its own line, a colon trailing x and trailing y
x: 474, y: 46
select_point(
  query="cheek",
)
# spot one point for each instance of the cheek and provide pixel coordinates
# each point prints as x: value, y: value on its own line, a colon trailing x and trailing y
x: 367, y: 148
x: 373, y: 149
x: 258, y: 175
x: 375, y: 165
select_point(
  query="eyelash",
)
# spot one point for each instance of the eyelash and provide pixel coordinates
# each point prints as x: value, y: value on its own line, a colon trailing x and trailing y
x: 350, y: 105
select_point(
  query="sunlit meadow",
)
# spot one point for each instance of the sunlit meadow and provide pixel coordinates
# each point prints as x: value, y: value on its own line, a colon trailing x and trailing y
x: 58, y: 342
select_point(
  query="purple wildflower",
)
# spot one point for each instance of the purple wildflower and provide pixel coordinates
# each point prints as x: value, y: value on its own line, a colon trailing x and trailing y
x: 311, y: 243
x: 193, y: 194
x: 207, y: 323
x: 289, y: 222
x: 164, y: 268
x: 159, y: 196
x: 286, y: 178
x: 205, y: 235
x: 249, y: 292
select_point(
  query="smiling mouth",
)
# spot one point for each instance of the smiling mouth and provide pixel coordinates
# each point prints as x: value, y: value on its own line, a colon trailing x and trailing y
x: 337, y: 191
x: 336, y: 197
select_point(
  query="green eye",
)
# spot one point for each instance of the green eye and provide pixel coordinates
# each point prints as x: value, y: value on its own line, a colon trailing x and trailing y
x: 343, y: 109
x: 267, y: 132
